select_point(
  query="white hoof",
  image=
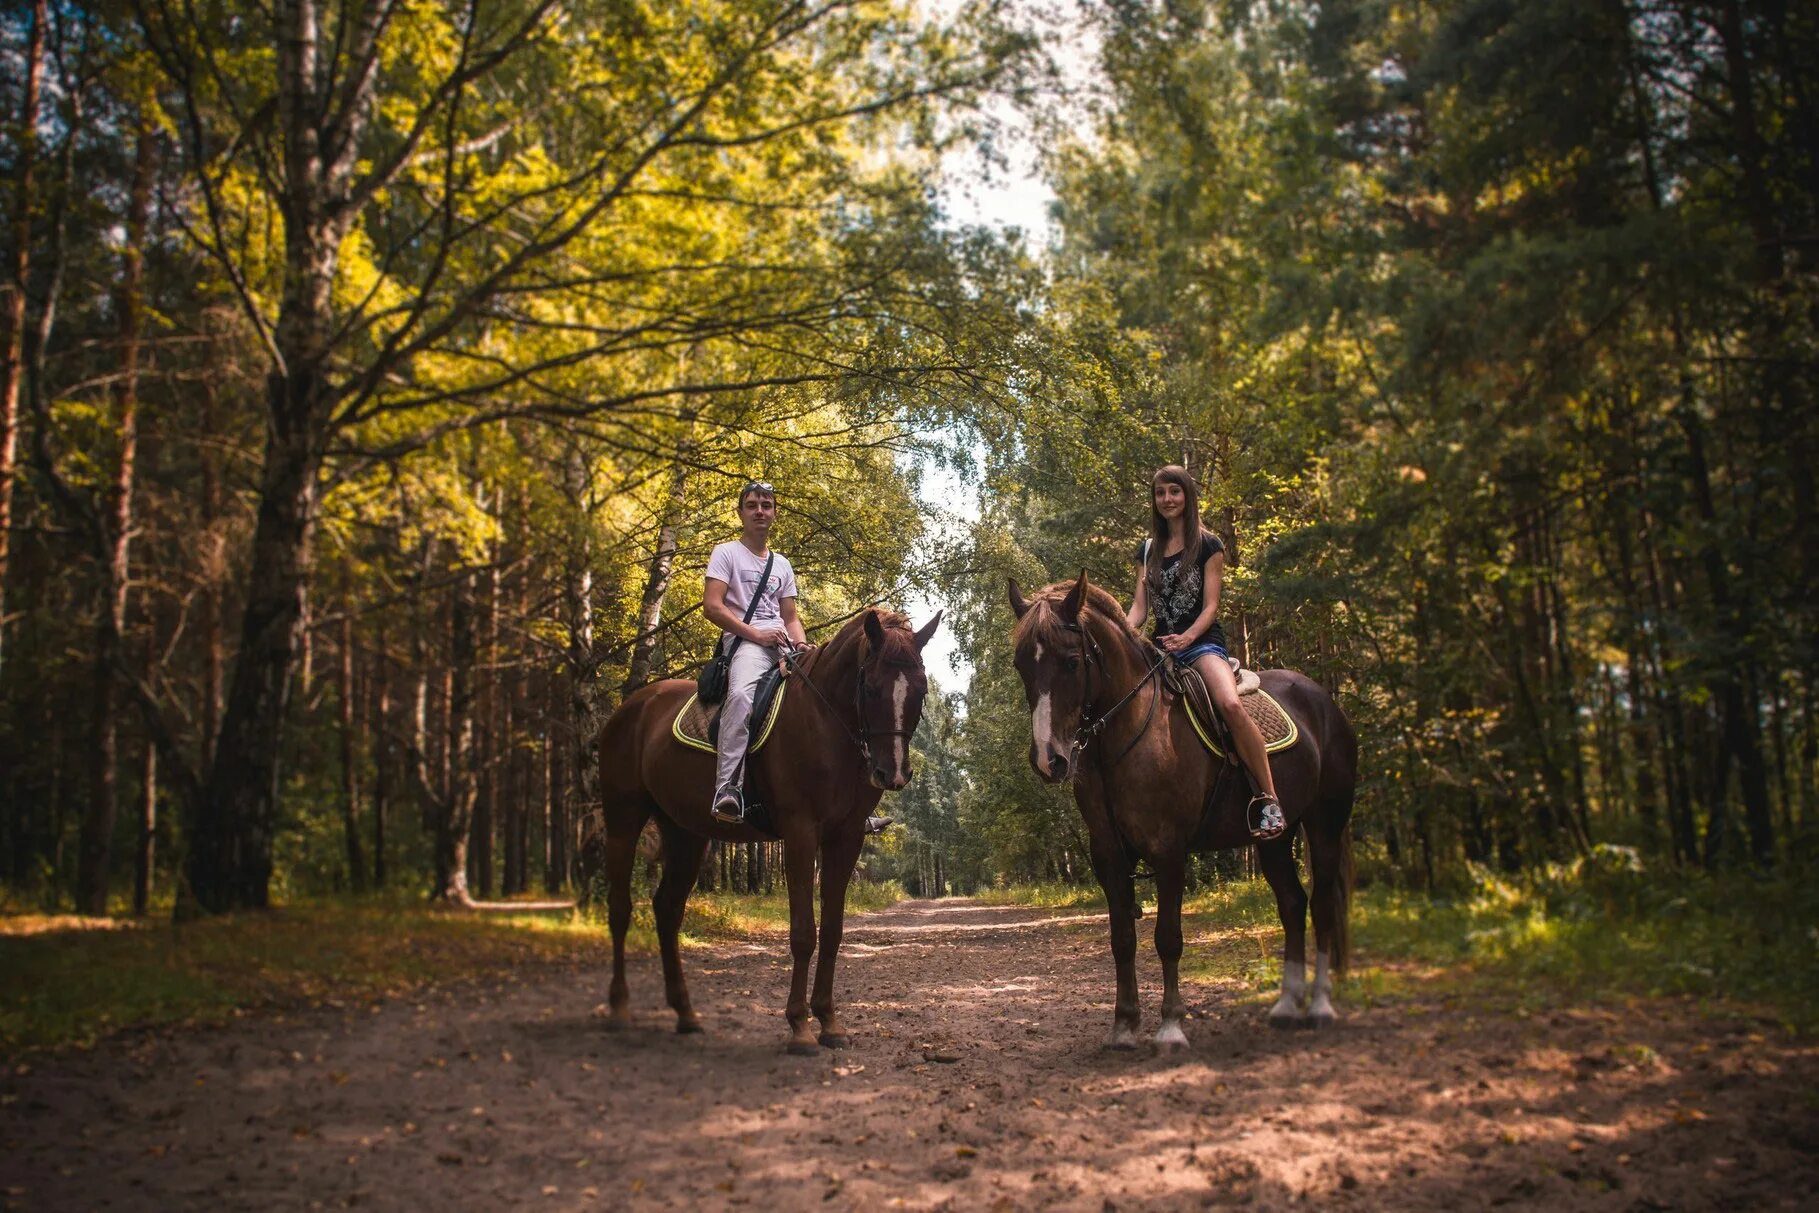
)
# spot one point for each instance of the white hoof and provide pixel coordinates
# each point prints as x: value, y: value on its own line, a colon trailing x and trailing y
x: 1286, y: 1013
x: 1170, y: 1038
x: 1320, y: 1013
x: 1124, y: 1038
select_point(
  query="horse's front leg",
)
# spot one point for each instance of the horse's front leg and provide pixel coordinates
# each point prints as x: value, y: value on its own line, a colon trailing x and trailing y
x: 837, y: 860
x: 682, y: 852
x: 1113, y: 870
x: 1171, y: 878
x: 799, y: 875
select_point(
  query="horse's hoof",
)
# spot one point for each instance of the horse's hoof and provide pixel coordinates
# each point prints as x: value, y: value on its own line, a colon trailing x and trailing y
x: 1318, y: 1020
x: 618, y: 1021
x: 802, y: 1048
x: 689, y: 1026
x: 1283, y: 1023
x: 1171, y: 1039
x: 835, y: 1040
x: 1124, y: 1040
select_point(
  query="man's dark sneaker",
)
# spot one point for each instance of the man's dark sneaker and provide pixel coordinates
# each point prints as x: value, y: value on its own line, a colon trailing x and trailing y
x: 728, y: 806
x: 878, y: 825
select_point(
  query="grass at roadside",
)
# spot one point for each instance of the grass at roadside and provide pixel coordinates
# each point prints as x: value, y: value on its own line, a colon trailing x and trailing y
x: 73, y: 981
x: 1052, y: 896
x: 1600, y: 930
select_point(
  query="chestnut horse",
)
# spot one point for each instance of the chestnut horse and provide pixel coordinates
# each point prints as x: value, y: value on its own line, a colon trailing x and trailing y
x: 1142, y: 777
x: 841, y: 738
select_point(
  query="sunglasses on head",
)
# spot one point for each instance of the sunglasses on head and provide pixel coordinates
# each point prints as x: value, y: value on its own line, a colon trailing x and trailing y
x: 756, y: 486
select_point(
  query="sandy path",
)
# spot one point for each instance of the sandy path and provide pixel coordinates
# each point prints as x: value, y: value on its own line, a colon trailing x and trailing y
x: 513, y: 1095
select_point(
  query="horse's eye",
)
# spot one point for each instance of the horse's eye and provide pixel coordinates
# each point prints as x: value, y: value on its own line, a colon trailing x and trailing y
x: 1072, y: 663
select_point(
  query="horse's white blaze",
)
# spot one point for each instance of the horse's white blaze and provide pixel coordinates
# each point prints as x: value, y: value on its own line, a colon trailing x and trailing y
x: 1042, y: 726
x: 1294, y: 983
x: 899, y: 705
x: 1320, y: 1006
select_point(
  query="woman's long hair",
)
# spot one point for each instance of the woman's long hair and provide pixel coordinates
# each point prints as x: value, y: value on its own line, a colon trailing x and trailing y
x: 1191, y: 526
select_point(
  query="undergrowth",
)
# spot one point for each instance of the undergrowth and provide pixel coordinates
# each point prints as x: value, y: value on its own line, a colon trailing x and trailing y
x: 72, y: 981
x: 1603, y: 928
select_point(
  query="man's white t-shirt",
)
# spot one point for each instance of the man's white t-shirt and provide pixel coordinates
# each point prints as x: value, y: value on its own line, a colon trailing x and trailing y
x: 734, y: 564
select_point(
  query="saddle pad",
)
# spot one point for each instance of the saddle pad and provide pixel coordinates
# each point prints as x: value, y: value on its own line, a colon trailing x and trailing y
x: 1276, y: 725
x: 693, y: 720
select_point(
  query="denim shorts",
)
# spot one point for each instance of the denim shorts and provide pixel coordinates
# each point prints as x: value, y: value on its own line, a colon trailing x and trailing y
x: 1196, y: 651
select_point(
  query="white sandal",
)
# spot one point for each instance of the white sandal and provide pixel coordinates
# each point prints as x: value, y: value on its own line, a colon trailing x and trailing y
x: 1266, y: 823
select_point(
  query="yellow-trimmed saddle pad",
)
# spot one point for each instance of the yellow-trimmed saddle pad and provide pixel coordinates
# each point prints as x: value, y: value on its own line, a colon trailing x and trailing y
x: 693, y: 720
x: 1277, y: 726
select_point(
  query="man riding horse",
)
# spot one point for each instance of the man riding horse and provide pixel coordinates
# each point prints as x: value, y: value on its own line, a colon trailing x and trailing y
x: 751, y: 595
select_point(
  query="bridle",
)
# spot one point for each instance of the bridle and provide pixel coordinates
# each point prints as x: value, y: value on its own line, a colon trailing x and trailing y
x: 863, y: 737
x: 1093, y: 723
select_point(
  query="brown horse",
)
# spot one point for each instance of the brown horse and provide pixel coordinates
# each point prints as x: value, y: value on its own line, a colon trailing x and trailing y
x: 1142, y: 779
x: 841, y: 738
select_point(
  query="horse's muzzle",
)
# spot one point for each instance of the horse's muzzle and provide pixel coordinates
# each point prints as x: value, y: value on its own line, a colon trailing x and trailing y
x: 1056, y: 771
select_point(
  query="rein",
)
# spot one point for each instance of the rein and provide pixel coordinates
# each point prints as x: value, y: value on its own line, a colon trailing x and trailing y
x: 1095, y: 723
x: 1091, y: 728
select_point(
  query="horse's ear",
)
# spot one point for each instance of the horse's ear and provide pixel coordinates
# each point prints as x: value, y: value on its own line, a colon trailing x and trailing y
x: 927, y: 631
x: 1070, y: 606
x: 874, y: 631
x: 1018, y: 605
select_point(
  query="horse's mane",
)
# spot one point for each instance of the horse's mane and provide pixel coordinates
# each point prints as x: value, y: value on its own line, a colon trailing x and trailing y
x: 1045, y: 627
x: 894, y: 622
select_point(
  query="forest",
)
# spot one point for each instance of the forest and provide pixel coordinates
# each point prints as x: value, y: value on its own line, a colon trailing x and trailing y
x: 375, y: 379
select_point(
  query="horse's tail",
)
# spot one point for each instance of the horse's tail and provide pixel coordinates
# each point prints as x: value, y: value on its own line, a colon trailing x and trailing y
x: 1342, y: 903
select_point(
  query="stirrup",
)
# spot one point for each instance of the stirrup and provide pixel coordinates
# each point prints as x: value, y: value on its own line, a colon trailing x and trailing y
x: 1266, y: 823
x: 729, y: 808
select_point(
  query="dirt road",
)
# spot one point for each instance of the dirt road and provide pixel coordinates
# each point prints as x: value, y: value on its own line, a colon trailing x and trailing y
x: 976, y: 1080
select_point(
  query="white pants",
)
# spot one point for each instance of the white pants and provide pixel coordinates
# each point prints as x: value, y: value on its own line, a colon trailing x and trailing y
x: 751, y: 662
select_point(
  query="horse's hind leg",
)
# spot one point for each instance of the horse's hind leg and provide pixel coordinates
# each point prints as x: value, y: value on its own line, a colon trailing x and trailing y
x: 621, y: 854
x: 1328, y: 856
x: 682, y: 852
x: 1277, y: 859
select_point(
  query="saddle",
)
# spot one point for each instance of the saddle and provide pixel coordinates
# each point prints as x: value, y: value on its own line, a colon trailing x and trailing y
x: 1277, y: 726
x: 698, y: 726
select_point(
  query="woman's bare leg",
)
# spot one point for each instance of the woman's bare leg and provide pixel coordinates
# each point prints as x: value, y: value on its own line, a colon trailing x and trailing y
x: 1245, y: 733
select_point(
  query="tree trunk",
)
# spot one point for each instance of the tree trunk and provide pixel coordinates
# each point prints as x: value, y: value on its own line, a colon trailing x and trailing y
x: 95, y: 862
x: 382, y: 754
x: 148, y: 827
x: 657, y: 578
x: 12, y: 307
x: 555, y: 797
x: 230, y: 839
x: 350, y: 779
x: 454, y: 818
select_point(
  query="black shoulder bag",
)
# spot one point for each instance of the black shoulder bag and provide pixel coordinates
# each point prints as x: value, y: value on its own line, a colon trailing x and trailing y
x: 710, y: 688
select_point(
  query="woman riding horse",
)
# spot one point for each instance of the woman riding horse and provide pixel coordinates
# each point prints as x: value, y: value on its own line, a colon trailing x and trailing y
x: 1150, y: 790
x: 1182, y: 577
